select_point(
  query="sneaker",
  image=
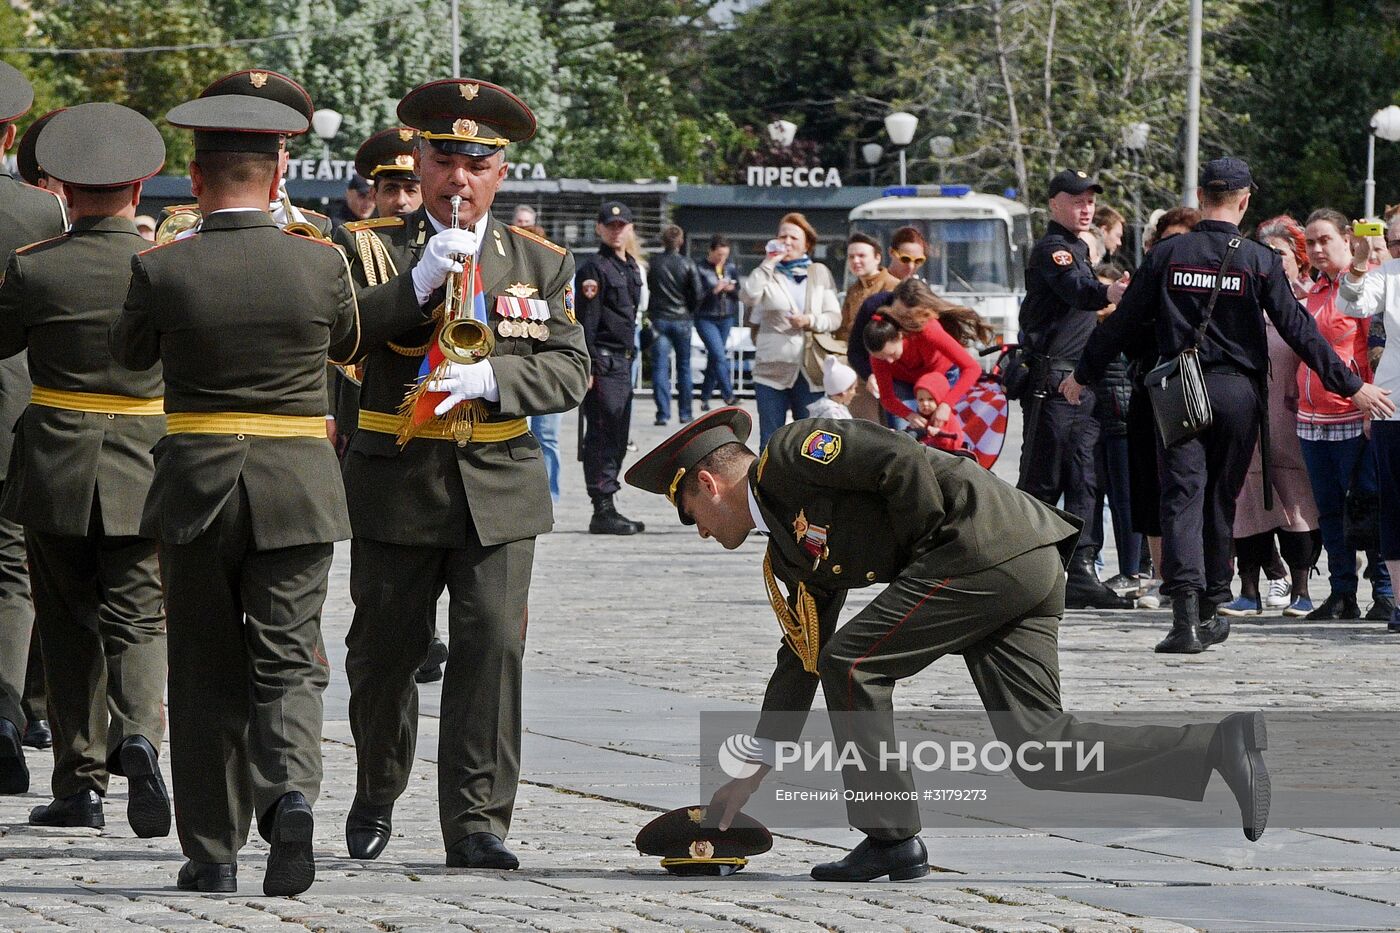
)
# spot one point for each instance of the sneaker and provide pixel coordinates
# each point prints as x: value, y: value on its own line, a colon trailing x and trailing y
x: 1125, y: 585
x: 1151, y: 597
x: 1299, y: 608
x: 1242, y: 606
x: 1278, y: 594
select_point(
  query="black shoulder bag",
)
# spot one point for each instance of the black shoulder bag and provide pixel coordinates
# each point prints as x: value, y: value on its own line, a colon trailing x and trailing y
x: 1177, y: 387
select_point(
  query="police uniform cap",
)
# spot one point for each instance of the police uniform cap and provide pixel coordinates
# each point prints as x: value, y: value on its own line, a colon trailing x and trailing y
x: 661, y: 470
x: 16, y: 93
x: 28, y: 166
x: 269, y: 85
x: 1226, y: 174
x: 388, y: 154
x: 613, y: 211
x: 100, y: 145
x: 690, y: 842
x: 465, y: 116
x: 237, y: 123
x: 1073, y: 182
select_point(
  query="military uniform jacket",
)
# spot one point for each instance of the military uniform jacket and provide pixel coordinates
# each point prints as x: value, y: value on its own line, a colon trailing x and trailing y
x: 430, y: 492
x: 59, y: 300
x: 1062, y: 296
x: 241, y: 315
x: 27, y: 215
x: 851, y: 503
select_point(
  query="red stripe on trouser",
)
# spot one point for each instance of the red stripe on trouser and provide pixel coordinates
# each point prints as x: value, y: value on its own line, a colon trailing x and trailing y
x: 851, y: 674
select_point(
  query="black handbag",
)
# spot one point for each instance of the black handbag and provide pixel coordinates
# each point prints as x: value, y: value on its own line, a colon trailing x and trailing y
x: 1361, y: 516
x: 1177, y: 387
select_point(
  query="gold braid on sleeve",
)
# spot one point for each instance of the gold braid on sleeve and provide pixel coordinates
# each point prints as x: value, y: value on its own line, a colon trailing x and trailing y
x: 802, y: 629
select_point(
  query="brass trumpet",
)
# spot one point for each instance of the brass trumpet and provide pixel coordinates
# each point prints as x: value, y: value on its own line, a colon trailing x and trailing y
x: 299, y: 227
x: 174, y: 225
x: 463, y: 339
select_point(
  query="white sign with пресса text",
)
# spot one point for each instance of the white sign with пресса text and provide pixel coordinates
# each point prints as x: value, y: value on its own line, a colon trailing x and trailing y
x: 788, y: 176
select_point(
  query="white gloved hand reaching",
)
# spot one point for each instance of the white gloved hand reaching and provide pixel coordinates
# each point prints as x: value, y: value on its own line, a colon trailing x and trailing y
x: 465, y: 381
x: 440, y: 259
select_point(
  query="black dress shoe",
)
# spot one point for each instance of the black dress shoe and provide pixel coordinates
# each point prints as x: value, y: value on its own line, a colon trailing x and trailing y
x: 147, y: 802
x: 81, y: 809
x: 14, y: 773
x: 291, y: 868
x: 902, y: 861
x: 1336, y: 607
x: 367, y: 829
x: 1235, y: 753
x: 431, y: 668
x: 37, y: 733
x: 1084, y: 591
x: 482, y: 850
x: 1381, y: 608
x: 208, y: 877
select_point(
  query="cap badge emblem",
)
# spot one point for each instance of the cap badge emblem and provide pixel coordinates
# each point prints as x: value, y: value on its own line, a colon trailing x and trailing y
x: 696, y: 814
x: 1081, y: 175
x: 463, y: 127
x: 259, y: 78
x: 405, y: 134
x: 702, y: 848
x: 469, y: 91
x: 403, y: 161
x: 616, y: 210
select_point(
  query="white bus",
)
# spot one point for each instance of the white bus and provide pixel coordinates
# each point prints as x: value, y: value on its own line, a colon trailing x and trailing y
x: 978, y: 244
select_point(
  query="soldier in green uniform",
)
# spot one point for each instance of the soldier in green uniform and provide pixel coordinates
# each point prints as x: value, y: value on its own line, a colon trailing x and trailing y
x: 27, y: 215
x: 268, y: 85
x: 460, y: 503
x: 972, y: 567
x: 245, y: 501
x: 81, y: 470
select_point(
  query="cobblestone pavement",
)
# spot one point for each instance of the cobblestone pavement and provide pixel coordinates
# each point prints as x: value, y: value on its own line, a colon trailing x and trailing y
x: 631, y: 636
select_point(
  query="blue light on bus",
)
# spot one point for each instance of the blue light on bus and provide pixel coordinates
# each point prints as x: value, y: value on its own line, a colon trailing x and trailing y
x: 900, y: 191
x: 954, y: 191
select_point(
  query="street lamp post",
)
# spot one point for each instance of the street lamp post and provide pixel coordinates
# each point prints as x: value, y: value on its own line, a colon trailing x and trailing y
x: 900, y: 126
x: 325, y: 123
x: 782, y: 133
x: 871, y: 153
x: 940, y: 147
x: 1385, y: 123
x: 1135, y: 140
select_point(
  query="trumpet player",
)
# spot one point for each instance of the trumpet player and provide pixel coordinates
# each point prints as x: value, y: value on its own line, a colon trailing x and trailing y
x: 446, y: 486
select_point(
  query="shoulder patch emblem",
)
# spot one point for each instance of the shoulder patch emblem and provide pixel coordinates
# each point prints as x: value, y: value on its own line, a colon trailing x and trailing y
x: 538, y: 239
x: 589, y: 287
x: 569, y: 303
x: 373, y: 222
x: 822, y: 446
x: 1062, y: 257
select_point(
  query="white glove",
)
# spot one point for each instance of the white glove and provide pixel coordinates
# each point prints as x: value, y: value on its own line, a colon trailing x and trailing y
x: 440, y: 259
x: 464, y: 381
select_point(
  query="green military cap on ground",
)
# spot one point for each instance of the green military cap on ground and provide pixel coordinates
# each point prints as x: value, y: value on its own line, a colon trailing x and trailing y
x: 464, y: 116
x: 100, y: 145
x: 237, y: 123
x: 268, y: 85
x: 28, y: 166
x: 662, y: 470
x: 689, y: 844
x: 388, y: 154
x: 16, y: 93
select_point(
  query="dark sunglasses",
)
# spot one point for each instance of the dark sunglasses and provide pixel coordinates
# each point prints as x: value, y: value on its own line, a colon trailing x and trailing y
x: 914, y: 261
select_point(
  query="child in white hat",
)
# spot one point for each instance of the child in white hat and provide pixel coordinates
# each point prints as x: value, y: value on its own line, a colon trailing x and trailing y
x: 839, y: 383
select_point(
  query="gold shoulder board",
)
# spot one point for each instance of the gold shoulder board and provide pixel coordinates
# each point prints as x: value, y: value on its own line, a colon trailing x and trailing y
x: 538, y: 239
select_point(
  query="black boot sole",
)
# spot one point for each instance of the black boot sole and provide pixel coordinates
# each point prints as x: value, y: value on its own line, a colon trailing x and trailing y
x: 14, y: 773
x: 1256, y: 740
x: 291, y: 866
x: 147, y: 804
x: 906, y: 873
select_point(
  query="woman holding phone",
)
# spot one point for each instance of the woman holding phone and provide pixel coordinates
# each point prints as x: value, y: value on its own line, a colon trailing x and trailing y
x: 790, y: 298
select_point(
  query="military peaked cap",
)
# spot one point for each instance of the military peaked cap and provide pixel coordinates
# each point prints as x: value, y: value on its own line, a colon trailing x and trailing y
x: 100, y: 145
x: 16, y: 93
x: 464, y: 116
x: 269, y: 85
x: 691, y: 844
x: 662, y: 470
x: 388, y: 154
x: 29, y: 168
x: 237, y: 123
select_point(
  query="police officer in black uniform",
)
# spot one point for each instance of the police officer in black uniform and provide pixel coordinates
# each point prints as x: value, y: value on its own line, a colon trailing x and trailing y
x: 1057, y: 316
x: 1202, y: 476
x: 609, y: 289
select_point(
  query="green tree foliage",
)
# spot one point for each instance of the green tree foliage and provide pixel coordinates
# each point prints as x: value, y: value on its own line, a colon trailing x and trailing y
x: 39, y: 69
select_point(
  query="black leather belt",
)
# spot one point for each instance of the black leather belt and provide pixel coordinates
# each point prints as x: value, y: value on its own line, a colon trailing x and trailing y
x: 625, y: 354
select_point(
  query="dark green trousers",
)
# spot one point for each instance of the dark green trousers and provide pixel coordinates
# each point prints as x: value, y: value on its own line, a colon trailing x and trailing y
x: 1004, y: 621
x: 394, y: 588
x: 35, y: 702
x: 97, y: 610
x: 247, y: 670
x: 16, y: 622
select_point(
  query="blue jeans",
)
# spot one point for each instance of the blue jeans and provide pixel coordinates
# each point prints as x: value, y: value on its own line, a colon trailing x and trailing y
x: 774, y: 405
x: 713, y: 334
x: 904, y: 391
x: 666, y: 336
x: 1330, y: 464
x: 546, y: 431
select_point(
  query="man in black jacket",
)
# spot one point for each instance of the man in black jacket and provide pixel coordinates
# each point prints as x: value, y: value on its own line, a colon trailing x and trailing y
x: 1202, y: 476
x: 676, y: 292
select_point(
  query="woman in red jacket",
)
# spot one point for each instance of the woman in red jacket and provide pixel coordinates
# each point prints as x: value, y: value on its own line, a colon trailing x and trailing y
x: 910, y: 339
